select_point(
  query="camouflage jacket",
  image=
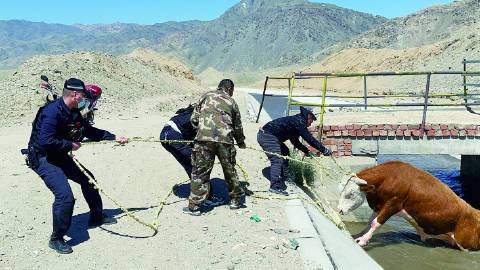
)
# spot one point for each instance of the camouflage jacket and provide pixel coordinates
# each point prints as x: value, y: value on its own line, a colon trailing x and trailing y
x: 217, y: 118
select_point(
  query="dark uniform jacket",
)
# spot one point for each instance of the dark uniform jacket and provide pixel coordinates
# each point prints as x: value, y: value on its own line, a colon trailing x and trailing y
x: 56, y: 126
x: 291, y: 128
x: 182, y: 121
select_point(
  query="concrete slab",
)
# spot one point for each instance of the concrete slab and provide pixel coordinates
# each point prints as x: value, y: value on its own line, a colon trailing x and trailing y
x: 343, y: 252
x: 311, y: 249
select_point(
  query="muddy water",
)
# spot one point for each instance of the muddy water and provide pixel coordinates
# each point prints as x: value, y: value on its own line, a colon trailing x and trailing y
x: 397, y: 246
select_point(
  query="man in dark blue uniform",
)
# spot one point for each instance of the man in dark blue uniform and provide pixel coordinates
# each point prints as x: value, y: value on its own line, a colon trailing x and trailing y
x: 179, y: 128
x: 272, y: 136
x: 58, y: 129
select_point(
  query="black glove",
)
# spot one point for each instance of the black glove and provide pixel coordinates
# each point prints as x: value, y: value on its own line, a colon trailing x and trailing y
x: 327, y: 152
x: 242, y: 145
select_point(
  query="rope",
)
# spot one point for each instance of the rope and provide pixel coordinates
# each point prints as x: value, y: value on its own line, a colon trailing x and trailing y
x: 154, y: 225
x: 321, y: 204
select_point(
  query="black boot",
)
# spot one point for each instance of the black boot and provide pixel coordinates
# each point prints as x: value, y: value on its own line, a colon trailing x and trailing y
x: 104, y: 220
x: 60, y: 246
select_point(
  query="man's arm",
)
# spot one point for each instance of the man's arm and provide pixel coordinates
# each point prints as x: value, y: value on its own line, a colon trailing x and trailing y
x: 194, y: 119
x: 305, y: 134
x: 297, y: 144
x: 237, y: 125
x: 97, y: 135
x: 47, y: 138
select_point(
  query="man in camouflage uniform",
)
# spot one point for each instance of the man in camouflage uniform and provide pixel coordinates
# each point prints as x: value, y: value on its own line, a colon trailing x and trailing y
x: 218, y: 123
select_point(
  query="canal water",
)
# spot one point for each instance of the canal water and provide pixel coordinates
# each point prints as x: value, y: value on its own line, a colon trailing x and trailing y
x: 397, y: 246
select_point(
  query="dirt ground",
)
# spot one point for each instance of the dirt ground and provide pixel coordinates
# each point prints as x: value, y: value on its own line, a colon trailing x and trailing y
x: 138, y: 175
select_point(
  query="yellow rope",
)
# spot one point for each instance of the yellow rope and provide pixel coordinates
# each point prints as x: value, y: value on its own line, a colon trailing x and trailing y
x: 321, y: 204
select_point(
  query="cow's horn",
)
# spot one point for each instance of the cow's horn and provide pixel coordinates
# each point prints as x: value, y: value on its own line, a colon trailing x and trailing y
x: 359, y: 181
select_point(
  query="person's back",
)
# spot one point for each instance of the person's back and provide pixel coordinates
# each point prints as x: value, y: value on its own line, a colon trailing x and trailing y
x: 285, y: 128
x: 217, y: 118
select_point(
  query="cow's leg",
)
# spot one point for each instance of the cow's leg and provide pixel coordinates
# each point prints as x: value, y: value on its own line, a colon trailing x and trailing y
x: 389, y: 209
x: 409, y: 219
x: 364, y: 231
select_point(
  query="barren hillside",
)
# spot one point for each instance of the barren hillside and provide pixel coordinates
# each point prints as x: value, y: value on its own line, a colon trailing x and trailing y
x: 140, y: 82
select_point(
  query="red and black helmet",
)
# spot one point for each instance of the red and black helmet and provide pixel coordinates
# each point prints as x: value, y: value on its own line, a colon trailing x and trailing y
x: 93, y: 91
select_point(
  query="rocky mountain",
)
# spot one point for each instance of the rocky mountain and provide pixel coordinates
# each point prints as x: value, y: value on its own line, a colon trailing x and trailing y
x: 259, y: 34
x: 252, y: 35
x: 434, y: 39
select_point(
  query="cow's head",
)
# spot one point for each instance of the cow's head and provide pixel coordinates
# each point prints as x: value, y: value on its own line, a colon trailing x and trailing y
x: 351, y: 196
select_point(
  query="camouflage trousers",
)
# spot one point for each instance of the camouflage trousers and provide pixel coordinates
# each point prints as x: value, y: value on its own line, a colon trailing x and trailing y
x: 203, y: 158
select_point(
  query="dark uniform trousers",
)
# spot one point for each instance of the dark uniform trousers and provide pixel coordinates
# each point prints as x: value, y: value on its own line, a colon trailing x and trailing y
x: 55, y: 172
x: 279, y: 166
x: 181, y: 151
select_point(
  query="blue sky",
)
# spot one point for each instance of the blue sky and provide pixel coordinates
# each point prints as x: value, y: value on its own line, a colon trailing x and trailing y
x: 155, y: 11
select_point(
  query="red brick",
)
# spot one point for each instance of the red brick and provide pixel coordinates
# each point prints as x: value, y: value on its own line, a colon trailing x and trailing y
x: 335, y: 154
x: 383, y: 133
x: 329, y: 133
x: 376, y: 133
x: 344, y: 132
x: 329, y: 142
x: 470, y: 127
x: 416, y: 133
x: 326, y: 128
x: 381, y: 126
x: 446, y: 133
x: 342, y: 127
x: 372, y: 127
x: 451, y: 126
x: 334, y: 148
x: 462, y: 134
x: 348, y: 147
x: 477, y: 133
x: 443, y: 126
x: 407, y: 133
x: 364, y: 127
x: 352, y: 133
x: 394, y: 126
x: 403, y: 127
x: 360, y: 133
x: 357, y: 126
x: 436, y: 126
x: 470, y: 133
x: 428, y: 127
x: 438, y: 133
x: 454, y: 133
x: 413, y: 126
x: 347, y: 141
x: 431, y: 133
x: 391, y: 133
x: 337, y: 133
x: 399, y: 133
x: 348, y: 153
x: 332, y: 127
x: 341, y: 153
x: 349, y: 127
x: 388, y: 127
x: 368, y: 133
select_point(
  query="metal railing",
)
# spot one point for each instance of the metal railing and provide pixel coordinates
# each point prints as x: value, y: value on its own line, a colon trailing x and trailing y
x: 465, y: 62
x: 325, y: 76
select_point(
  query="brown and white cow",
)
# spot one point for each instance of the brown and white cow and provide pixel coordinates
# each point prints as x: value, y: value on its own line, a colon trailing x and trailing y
x: 430, y: 206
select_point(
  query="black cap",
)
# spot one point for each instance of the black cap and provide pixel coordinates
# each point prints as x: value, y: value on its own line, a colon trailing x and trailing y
x: 74, y: 84
x: 306, y: 111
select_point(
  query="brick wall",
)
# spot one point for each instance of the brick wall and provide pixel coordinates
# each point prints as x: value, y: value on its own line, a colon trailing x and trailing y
x: 339, y: 138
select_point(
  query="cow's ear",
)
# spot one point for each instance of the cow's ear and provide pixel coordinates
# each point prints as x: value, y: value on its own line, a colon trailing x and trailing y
x: 367, y: 188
